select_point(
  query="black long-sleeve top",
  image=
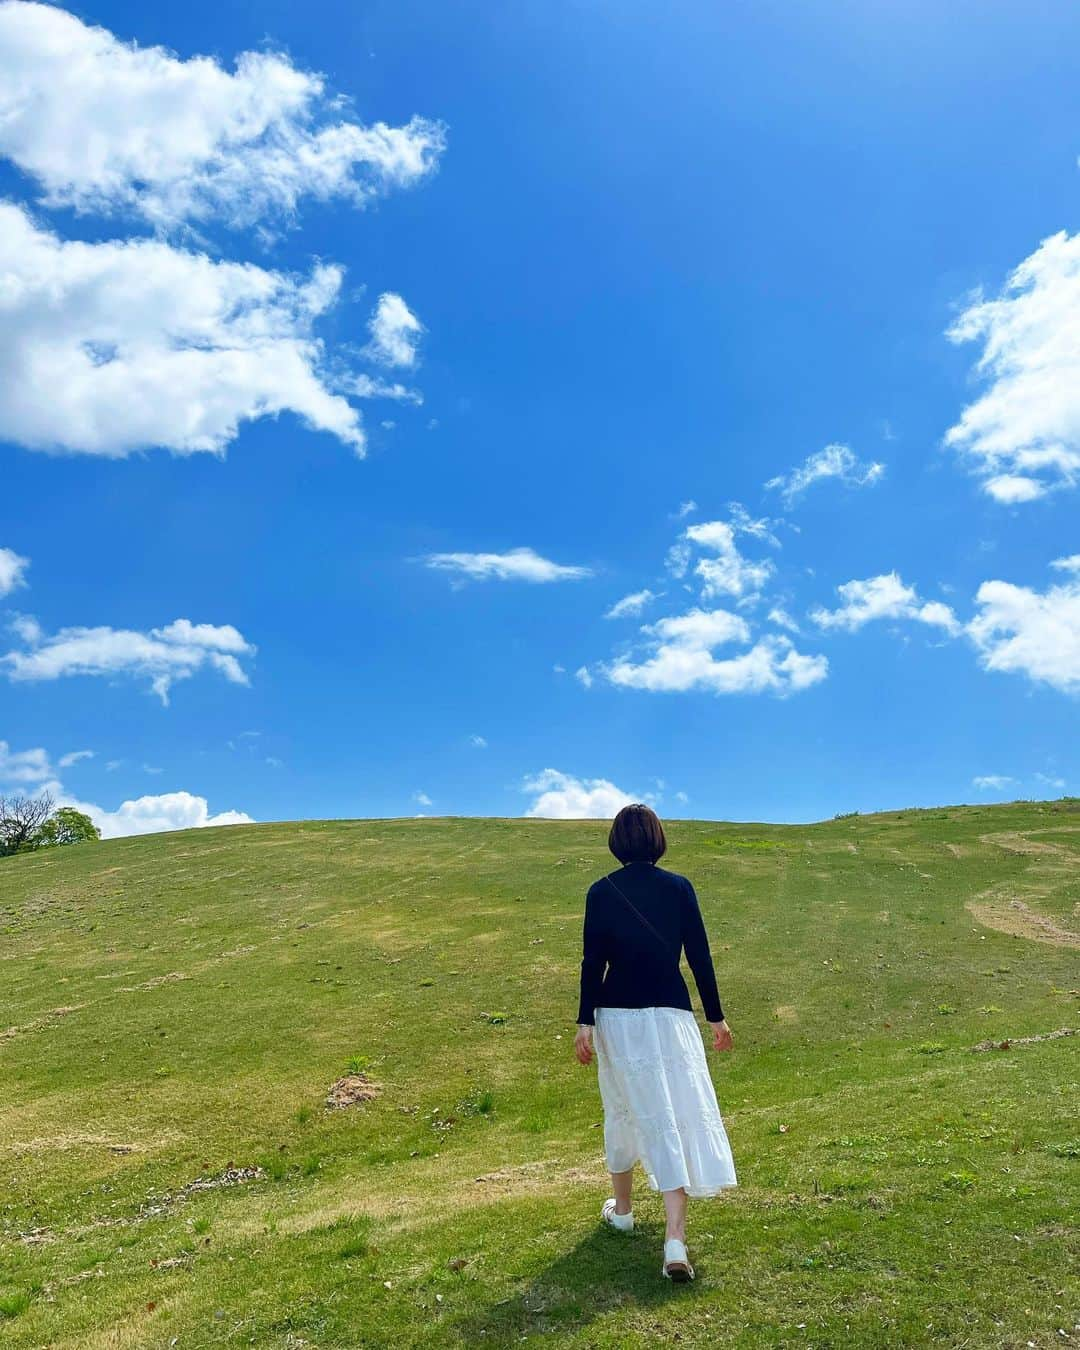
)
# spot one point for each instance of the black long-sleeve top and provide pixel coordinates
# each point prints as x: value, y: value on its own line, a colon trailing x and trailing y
x: 627, y: 966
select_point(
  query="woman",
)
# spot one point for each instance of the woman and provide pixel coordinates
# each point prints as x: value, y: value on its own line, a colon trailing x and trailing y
x: 659, y: 1101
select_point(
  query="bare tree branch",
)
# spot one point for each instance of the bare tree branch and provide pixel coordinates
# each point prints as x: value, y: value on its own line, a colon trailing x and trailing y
x: 21, y: 819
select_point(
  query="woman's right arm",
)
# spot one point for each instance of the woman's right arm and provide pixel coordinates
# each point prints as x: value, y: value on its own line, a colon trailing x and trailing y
x: 594, y: 959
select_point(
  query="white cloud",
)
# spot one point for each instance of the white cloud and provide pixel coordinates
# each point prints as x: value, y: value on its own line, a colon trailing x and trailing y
x: 422, y: 799
x: 994, y: 782
x: 681, y: 797
x: 395, y: 332
x: 1029, y: 632
x: 779, y: 616
x: 771, y: 665
x: 162, y: 656
x: 584, y: 676
x: 105, y: 125
x: 1022, y: 435
x: 700, y: 628
x: 729, y: 572
x: 152, y: 815
x: 519, y: 564
x: 1050, y: 780
x: 681, y: 658
x: 559, y: 796
x: 686, y: 508
x: 73, y: 757
x: 1069, y: 564
x: 478, y: 742
x: 12, y: 571
x: 1012, y: 488
x: 835, y: 461
x: 677, y: 652
x: 630, y: 604
x: 23, y: 766
x: 26, y: 627
x: 111, y: 348
x: 883, y: 597
x: 370, y: 386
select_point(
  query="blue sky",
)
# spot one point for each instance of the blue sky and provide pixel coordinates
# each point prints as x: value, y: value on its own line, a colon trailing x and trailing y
x: 606, y: 267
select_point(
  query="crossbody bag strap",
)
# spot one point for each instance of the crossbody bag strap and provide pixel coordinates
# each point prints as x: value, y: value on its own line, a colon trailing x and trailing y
x: 663, y: 940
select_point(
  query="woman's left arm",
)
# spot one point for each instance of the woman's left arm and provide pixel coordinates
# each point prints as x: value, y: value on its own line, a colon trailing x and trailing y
x: 696, y: 945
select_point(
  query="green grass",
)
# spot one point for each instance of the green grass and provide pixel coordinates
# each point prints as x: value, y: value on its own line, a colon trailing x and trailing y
x: 180, y: 1005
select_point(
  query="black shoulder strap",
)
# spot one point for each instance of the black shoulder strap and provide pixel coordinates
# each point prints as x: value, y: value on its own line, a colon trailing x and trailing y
x: 663, y: 941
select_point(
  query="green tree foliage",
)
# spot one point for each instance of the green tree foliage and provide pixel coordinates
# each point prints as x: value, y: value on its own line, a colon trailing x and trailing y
x: 28, y: 823
x: 67, y: 826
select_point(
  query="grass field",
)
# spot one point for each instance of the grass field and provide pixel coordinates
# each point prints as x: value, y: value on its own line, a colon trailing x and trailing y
x: 176, y: 1008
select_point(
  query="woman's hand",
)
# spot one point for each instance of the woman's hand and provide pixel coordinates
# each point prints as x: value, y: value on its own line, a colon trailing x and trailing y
x: 721, y: 1036
x: 583, y: 1045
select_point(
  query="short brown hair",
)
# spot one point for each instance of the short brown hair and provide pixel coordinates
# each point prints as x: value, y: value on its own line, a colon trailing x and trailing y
x: 637, y: 835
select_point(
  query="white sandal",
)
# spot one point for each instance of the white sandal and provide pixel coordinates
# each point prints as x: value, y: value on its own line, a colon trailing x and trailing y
x: 677, y: 1265
x: 623, y: 1222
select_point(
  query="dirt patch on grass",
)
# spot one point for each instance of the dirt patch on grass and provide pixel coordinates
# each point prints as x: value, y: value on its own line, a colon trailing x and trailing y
x: 786, y: 1012
x: 1012, y: 841
x: 1011, y: 1043
x: 1052, y: 871
x: 352, y: 1090
x: 519, y: 1172
x: 41, y: 1023
x: 232, y: 1176
x: 173, y: 977
x: 1018, y: 920
x: 62, y: 1142
x: 157, y: 1205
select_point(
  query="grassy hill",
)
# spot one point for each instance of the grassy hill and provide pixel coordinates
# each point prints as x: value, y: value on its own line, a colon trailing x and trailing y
x: 176, y: 1008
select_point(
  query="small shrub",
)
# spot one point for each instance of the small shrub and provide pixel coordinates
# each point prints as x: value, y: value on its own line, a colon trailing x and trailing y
x: 960, y: 1181
x: 945, y: 1009
x: 1070, y: 1149
x: 275, y: 1167
x: 359, y: 1064
x: 479, y: 1102
x: 303, y: 1115
x: 11, y: 1305
x: 201, y: 1226
x: 930, y: 1048
x: 310, y: 1165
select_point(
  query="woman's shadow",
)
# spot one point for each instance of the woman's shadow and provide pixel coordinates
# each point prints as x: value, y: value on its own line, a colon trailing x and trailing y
x: 606, y: 1270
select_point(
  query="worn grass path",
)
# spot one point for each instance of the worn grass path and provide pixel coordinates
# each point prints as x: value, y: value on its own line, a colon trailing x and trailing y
x: 175, y: 1008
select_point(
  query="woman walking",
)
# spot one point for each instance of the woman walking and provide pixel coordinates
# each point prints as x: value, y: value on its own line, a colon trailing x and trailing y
x: 659, y: 1102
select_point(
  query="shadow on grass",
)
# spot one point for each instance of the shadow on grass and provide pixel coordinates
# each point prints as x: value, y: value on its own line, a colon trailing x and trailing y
x: 604, y: 1271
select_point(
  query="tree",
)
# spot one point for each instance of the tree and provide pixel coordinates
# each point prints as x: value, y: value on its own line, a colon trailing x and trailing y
x: 67, y: 826
x: 21, y: 821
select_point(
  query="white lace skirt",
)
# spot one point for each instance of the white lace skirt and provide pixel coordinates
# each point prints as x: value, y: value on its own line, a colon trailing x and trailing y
x: 659, y: 1101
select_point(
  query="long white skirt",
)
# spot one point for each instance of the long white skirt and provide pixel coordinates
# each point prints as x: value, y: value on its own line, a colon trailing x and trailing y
x: 659, y: 1101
